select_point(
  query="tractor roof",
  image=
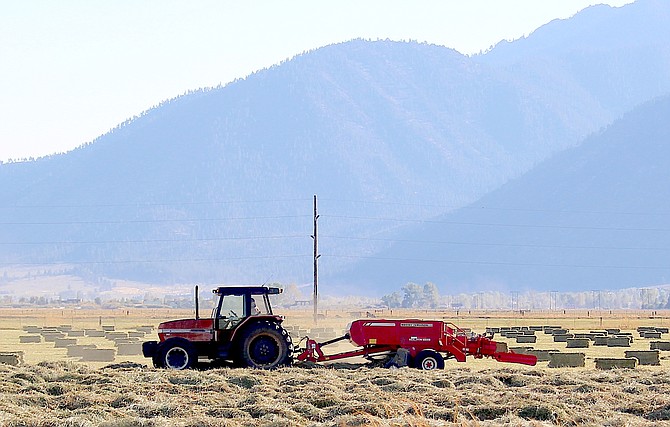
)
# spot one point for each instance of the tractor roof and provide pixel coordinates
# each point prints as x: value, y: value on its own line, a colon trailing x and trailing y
x: 242, y: 290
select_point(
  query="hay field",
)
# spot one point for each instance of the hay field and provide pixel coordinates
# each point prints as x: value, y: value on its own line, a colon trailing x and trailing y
x: 53, y: 389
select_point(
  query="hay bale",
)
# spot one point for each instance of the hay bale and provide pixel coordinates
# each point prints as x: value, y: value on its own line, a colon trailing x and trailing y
x: 562, y: 337
x: 600, y: 340
x: 559, y: 331
x: 618, y: 342
x: 589, y: 336
x: 145, y: 329
x: 662, y: 330
x: 98, y: 355
x: 578, y: 342
x: 75, y: 333
x: 536, y: 328
x: 526, y: 339
x: 108, y: 328
x: 78, y: 350
x: 13, y: 358
x: 613, y: 363
x: 24, y: 339
x: 64, y: 328
x: 136, y: 334
x: 528, y: 332
x: 645, y: 357
x: 659, y: 345
x: 116, y: 335
x: 511, y: 334
x: 612, y: 331
x: 133, y: 349
x: 542, y: 355
x: 650, y: 335
x: 501, y: 347
x: 52, y: 336
x: 94, y: 333
x: 566, y: 360
x: 31, y: 329
x: 520, y: 350
x: 64, y: 342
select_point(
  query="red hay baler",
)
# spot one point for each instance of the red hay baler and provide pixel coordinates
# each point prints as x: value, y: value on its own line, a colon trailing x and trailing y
x: 425, y: 343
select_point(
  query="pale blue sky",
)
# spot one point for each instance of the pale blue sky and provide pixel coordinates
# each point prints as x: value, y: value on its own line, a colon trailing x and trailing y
x: 73, y: 69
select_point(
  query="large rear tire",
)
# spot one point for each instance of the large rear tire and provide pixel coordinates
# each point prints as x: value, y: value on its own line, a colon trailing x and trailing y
x: 177, y: 354
x: 265, y: 345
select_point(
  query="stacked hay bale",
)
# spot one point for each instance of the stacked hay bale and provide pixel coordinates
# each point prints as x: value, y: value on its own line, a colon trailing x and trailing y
x: 578, y: 343
x: 660, y: 345
x: 613, y: 363
x: 13, y: 358
x: 567, y: 360
x: 645, y: 357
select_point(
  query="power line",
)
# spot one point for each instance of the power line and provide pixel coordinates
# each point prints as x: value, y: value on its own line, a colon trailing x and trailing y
x: 100, y: 242
x: 484, y: 224
x: 516, y: 245
x: 515, y: 264
x: 174, y: 260
x: 152, y: 221
x: 151, y: 204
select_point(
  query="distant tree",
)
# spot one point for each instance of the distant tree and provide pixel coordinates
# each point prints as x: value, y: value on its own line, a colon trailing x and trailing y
x: 413, y: 295
x: 431, y: 295
x: 393, y: 300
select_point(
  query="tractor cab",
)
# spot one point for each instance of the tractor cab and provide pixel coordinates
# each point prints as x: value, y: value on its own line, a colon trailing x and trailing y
x: 237, y: 303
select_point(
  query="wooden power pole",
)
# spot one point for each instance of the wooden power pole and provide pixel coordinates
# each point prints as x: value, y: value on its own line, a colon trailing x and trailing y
x: 316, y: 257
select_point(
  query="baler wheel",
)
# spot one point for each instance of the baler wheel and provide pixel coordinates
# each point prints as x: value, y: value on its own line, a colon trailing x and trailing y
x: 429, y: 360
x: 266, y: 346
x: 177, y: 353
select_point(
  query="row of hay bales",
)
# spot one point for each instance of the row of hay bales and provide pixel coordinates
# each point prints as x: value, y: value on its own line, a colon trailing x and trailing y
x: 558, y: 359
x: 608, y: 337
x: 126, y: 343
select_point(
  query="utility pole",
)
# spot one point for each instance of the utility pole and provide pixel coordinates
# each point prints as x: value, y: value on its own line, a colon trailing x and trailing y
x: 316, y: 257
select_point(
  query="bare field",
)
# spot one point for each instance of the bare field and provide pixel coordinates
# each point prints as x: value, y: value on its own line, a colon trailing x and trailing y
x: 54, y: 389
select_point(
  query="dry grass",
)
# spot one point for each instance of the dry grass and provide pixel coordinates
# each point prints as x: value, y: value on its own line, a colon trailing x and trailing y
x: 54, y: 390
x: 63, y: 393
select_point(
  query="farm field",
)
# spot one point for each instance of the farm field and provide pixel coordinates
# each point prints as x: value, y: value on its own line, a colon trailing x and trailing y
x: 52, y: 387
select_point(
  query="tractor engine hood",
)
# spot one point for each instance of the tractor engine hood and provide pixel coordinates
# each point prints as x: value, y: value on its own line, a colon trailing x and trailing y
x: 190, y: 329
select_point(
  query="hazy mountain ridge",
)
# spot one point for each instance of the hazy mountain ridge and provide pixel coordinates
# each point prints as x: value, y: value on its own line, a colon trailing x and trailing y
x: 216, y: 185
x: 592, y: 217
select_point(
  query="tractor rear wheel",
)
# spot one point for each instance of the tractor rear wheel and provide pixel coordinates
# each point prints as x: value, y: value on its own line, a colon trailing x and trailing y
x: 429, y: 360
x: 176, y: 353
x: 265, y: 346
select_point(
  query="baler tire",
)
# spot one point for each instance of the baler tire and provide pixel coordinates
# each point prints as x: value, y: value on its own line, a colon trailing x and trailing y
x: 177, y: 354
x: 265, y: 345
x: 429, y: 360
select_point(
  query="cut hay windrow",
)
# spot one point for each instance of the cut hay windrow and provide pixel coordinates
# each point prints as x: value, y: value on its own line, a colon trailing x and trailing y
x: 62, y: 393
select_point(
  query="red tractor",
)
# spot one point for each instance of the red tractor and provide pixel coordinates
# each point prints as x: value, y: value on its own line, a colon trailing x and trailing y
x: 242, y: 329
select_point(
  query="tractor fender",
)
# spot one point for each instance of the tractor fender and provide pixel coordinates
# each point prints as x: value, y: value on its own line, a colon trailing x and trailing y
x: 253, y: 320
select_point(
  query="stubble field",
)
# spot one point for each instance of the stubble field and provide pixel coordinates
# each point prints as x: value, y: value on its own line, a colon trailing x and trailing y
x: 53, y: 389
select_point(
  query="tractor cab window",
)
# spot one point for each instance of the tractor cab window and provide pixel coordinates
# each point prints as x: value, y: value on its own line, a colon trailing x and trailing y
x: 232, y: 306
x: 259, y: 306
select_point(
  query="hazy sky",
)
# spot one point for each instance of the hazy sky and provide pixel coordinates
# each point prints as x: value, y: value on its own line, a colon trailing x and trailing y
x: 73, y: 69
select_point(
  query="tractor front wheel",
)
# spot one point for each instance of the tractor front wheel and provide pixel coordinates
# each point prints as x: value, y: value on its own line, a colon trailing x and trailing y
x: 429, y: 360
x: 176, y: 353
x: 265, y: 346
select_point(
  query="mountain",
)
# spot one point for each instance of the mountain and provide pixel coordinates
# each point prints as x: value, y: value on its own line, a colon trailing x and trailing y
x: 593, y: 217
x: 216, y: 186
